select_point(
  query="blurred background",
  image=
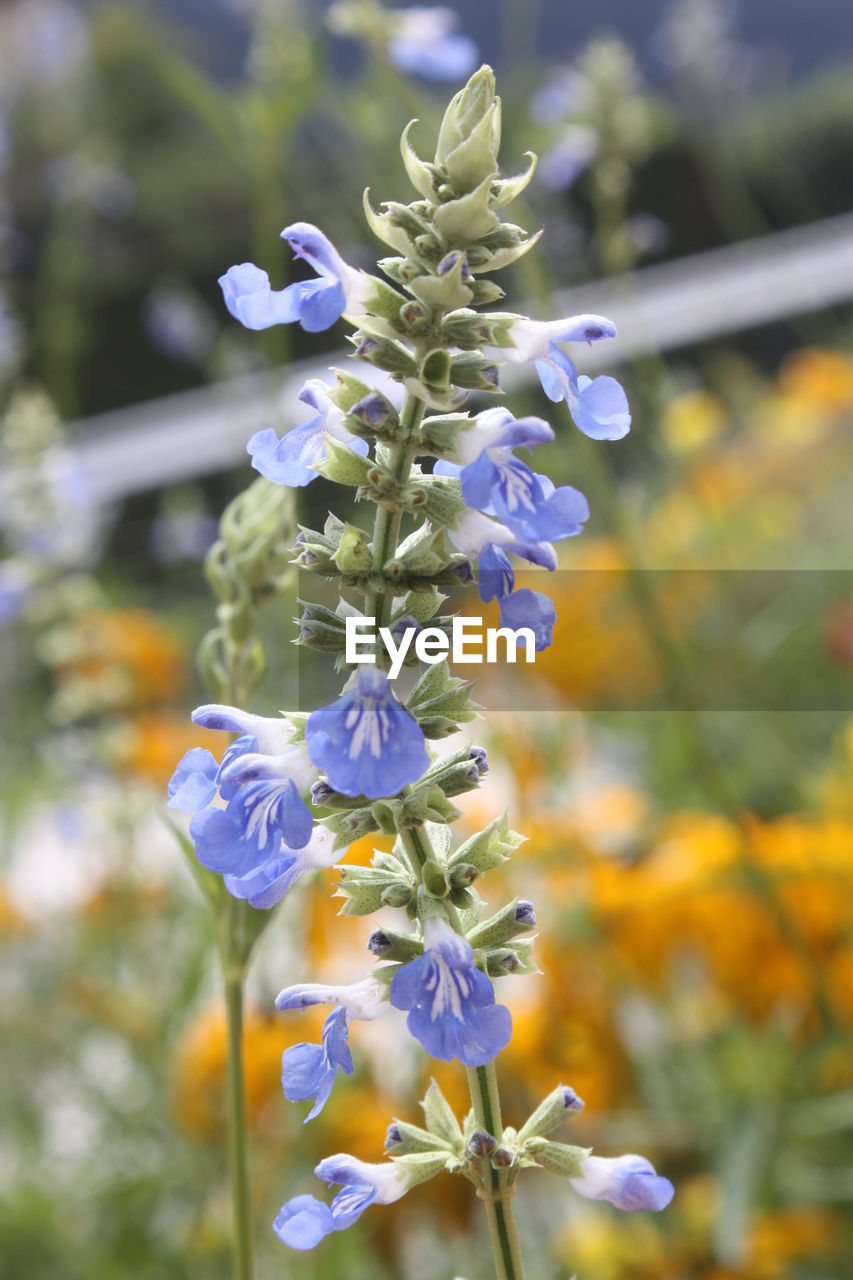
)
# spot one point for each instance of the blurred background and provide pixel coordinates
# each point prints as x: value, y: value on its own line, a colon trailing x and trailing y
x: 688, y: 792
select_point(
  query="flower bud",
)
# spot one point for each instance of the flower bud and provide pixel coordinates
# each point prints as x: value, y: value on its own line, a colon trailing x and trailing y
x: 435, y: 880
x: 481, y: 1143
x: 503, y: 926
x: 388, y: 944
x: 551, y: 1112
x: 467, y: 110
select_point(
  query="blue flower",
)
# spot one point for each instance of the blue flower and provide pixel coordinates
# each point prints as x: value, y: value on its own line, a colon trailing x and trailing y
x: 628, y: 1182
x: 315, y: 304
x: 493, y: 480
x: 309, y: 1070
x: 495, y: 577
x: 424, y: 43
x: 268, y: 882
x: 366, y: 743
x: 533, y: 610
x: 261, y: 836
x: 531, y: 340
x: 291, y: 459
x: 598, y: 406
x: 451, y: 1003
x: 304, y: 1221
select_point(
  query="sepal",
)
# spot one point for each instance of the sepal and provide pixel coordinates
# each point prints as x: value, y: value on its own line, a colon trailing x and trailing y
x: 558, y: 1157
x: 489, y: 848
x: 387, y: 882
x: 440, y: 699
x: 342, y: 464
x: 421, y: 1166
x: 423, y: 176
x: 469, y: 218
x: 440, y: 1118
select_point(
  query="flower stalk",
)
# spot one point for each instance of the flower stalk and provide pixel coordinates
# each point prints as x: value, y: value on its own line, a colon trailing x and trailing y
x: 292, y: 793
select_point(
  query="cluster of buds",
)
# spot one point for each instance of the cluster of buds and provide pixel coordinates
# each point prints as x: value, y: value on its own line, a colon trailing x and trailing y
x: 248, y: 565
x: 292, y: 793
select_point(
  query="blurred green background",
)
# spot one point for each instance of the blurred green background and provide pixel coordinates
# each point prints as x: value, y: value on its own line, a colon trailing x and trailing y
x: 691, y: 847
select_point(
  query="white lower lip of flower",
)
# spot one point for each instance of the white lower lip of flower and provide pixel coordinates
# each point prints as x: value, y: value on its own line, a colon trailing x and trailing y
x: 320, y: 850
x: 389, y: 1180
x: 357, y: 287
x: 485, y: 430
x: 474, y: 531
x: 602, y: 1175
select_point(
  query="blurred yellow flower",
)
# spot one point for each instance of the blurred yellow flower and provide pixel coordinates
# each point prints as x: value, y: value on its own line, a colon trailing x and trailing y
x: 693, y: 420
x: 152, y: 742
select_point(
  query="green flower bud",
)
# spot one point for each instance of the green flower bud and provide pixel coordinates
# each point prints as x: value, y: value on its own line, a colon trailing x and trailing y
x: 407, y: 1139
x: 513, y: 919
x: 560, y: 1103
x: 475, y: 160
x: 474, y: 371
x: 354, y: 554
x: 385, y: 353
x: 466, y: 111
x: 351, y: 826
x: 435, y: 880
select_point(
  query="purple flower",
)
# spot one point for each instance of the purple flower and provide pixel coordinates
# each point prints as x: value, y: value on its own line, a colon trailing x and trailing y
x: 366, y: 743
x: 451, y: 1003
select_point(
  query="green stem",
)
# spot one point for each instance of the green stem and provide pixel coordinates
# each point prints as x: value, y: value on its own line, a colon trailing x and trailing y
x: 241, y: 1207
x: 386, y: 527
x: 497, y: 1193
